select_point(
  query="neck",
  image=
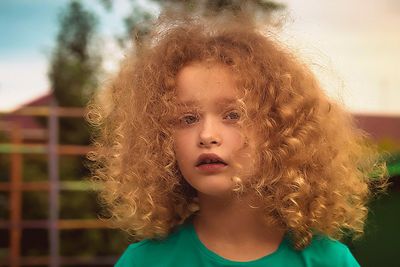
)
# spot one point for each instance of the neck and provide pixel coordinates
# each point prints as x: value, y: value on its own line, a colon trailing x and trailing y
x: 232, y: 220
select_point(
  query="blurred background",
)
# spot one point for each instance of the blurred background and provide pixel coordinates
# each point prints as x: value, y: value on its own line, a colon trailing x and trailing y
x: 55, y: 54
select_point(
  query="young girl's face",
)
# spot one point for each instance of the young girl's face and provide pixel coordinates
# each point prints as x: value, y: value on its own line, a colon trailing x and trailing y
x: 208, y: 141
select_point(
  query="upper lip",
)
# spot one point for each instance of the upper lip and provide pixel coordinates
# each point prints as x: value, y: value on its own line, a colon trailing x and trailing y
x: 208, y: 156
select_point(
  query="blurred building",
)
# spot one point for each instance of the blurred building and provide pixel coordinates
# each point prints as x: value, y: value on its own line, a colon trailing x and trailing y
x: 380, y: 126
x: 33, y: 129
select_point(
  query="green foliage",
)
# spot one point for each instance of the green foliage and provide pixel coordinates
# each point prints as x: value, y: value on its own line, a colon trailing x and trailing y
x: 216, y: 6
x: 4, y: 242
x: 393, y: 165
x: 212, y: 6
x: 75, y: 65
x: 138, y: 21
x: 4, y: 205
x: 35, y: 167
x: 75, y: 68
x: 92, y: 242
x: 79, y: 205
x: 35, y: 205
x: 72, y: 168
x: 4, y: 161
x: 389, y: 145
x: 380, y: 243
x: 39, y: 237
x: 137, y: 24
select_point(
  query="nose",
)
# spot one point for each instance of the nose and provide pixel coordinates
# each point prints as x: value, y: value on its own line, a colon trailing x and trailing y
x: 209, y: 134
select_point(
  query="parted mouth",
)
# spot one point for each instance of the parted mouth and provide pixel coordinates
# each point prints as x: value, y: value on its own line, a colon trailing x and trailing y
x: 209, y: 158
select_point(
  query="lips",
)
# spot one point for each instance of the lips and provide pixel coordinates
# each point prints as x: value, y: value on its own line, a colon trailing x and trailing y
x: 209, y: 158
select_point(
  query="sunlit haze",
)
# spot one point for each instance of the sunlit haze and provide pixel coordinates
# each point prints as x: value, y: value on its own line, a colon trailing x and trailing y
x: 353, y: 46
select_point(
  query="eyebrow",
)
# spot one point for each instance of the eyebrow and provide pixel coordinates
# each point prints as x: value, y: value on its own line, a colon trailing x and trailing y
x: 220, y: 101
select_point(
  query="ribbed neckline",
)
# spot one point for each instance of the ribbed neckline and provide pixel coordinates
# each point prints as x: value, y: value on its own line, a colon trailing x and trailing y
x: 215, y: 257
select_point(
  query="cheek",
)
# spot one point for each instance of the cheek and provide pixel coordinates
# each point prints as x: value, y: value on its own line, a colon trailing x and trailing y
x: 243, y: 150
x: 182, y: 142
x: 183, y: 151
x: 236, y: 140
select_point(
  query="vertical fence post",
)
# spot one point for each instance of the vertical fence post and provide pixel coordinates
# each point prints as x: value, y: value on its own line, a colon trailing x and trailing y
x: 15, y: 198
x: 54, y: 185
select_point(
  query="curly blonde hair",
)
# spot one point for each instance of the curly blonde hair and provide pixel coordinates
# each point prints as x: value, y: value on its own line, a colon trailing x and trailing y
x: 315, y: 165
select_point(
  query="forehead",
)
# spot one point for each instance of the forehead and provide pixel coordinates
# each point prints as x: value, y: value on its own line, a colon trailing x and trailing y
x: 199, y: 83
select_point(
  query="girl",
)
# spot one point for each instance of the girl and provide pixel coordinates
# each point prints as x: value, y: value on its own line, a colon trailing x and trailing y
x: 218, y: 147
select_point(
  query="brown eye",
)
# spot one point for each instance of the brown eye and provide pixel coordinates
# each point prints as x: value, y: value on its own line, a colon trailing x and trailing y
x: 232, y: 116
x: 189, y: 119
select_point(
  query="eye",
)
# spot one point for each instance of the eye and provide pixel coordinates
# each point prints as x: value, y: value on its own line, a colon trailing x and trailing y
x: 188, y: 119
x: 232, y: 116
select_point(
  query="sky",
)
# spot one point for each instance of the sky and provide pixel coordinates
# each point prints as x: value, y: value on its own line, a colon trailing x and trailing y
x: 352, y: 46
x: 355, y: 49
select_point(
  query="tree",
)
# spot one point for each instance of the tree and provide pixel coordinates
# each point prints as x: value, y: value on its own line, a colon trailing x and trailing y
x: 74, y: 73
x: 75, y: 67
x: 137, y: 22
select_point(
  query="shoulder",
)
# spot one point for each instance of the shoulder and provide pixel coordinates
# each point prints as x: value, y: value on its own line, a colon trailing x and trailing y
x: 143, y: 253
x: 324, y: 251
x: 128, y: 257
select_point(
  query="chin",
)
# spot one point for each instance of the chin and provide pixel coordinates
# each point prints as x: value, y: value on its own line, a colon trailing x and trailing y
x: 216, y: 188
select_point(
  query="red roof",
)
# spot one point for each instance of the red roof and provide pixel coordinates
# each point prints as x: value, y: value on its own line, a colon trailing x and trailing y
x: 32, y: 128
x: 43, y: 100
x: 380, y: 126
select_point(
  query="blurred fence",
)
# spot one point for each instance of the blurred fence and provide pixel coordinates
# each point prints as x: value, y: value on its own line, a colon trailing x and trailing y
x: 15, y: 187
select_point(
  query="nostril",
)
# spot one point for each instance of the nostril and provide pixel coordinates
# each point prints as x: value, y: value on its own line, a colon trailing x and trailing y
x: 207, y: 143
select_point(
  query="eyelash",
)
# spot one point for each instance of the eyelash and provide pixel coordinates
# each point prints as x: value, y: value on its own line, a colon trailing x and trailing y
x: 237, y: 115
x: 184, y: 118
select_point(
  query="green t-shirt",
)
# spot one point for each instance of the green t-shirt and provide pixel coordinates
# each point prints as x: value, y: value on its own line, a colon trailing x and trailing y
x: 183, y: 248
